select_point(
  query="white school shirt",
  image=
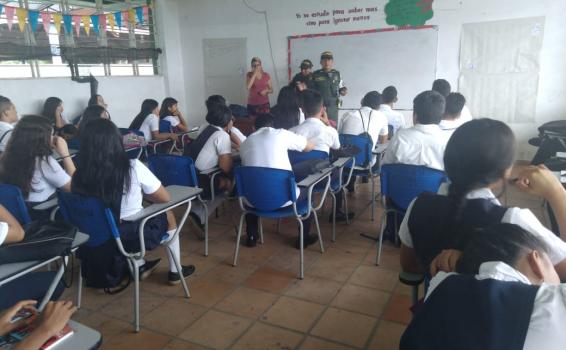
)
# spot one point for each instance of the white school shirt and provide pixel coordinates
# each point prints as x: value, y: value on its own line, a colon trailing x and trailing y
x: 3, y: 231
x: 6, y: 130
x: 371, y: 120
x: 323, y: 137
x: 267, y: 147
x: 47, y: 178
x: 546, y: 326
x: 449, y: 126
x: 142, y: 181
x: 233, y: 130
x: 419, y: 145
x: 173, y: 119
x: 394, y: 118
x: 218, y: 144
x: 150, y: 124
x: 522, y: 217
x: 465, y: 115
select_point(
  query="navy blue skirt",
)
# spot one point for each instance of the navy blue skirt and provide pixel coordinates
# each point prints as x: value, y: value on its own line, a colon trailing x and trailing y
x: 154, y: 232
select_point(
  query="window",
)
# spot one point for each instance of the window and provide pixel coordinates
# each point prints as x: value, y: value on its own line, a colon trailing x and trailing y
x: 126, y: 50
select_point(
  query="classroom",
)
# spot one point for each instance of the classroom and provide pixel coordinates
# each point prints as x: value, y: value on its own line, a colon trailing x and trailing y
x: 263, y: 174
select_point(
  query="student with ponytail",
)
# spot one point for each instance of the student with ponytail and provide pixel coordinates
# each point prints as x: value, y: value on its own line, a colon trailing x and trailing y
x: 147, y: 121
x: 477, y: 166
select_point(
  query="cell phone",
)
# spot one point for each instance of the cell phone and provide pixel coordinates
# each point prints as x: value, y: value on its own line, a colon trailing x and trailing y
x: 22, y: 315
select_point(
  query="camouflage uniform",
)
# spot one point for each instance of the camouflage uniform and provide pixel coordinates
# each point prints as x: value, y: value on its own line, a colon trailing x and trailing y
x: 328, y: 84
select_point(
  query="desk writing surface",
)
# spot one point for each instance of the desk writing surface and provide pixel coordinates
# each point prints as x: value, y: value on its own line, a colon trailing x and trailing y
x: 178, y: 194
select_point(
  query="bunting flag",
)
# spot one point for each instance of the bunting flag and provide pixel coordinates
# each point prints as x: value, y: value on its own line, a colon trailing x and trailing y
x: 139, y: 14
x: 46, y: 19
x: 77, y: 23
x: 132, y: 17
x: 86, y: 24
x: 146, y: 12
x: 95, y: 22
x: 1, y: 7
x: 111, y: 20
x: 125, y: 19
x: 57, y: 17
x: 21, y: 14
x: 67, y: 20
x: 10, y: 16
x: 118, y: 19
x: 33, y: 17
x: 102, y: 22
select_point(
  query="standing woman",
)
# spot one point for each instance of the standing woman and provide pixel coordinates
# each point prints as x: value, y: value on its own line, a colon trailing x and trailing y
x: 53, y: 110
x: 259, y: 87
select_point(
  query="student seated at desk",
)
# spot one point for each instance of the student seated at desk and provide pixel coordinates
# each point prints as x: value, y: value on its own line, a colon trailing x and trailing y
x: 104, y: 170
x: 287, y: 112
x: 147, y: 121
x: 477, y: 166
x: 508, y: 293
x: 236, y: 136
x: 53, y: 111
x: 394, y: 118
x: 28, y: 163
x: 443, y: 87
x: 49, y: 322
x: 8, y: 117
x: 424, y: 143
x: 170, y: 112
x: 268, y: 147
x: 451, y: 120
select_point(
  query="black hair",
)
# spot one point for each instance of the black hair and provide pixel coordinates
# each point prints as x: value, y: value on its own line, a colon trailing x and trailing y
x: 147, y: 108
x: 372, y: 100
x: 311, y: 102
x: 68, y: 131
x: 31, y: 140
x: 477, y: 155
x: 264, y: 120
x: 92, y: 112
x: 215, y: 100
x: 429, y: 107
x: 442, y: 86
x: 389, y: 94
x: 454, y: 104
x: 286, y: 112
x: 49, y: 108
x: 165, y: 105
x: 5, y: 104
x: 498, y: 242
x: 219, y: 116
x: 93, y: 100
x: 103, y: 166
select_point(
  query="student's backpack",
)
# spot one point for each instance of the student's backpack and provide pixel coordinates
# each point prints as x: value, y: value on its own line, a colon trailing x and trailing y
x: 104, y: 267
x: 365, y: 133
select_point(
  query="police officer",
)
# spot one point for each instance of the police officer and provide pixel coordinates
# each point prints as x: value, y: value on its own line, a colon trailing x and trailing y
x: 303, y: 79
x: 330, y: 85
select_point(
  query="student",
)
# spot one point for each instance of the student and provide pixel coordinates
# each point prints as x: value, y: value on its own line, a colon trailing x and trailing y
x: 92, y: 112
x: 212, y: 148
x: 394, y: 118
x: 476, y: 166
x: 267, y: 147
x: 259, y: 87
x: 51, y: 321
x: 28, y: 162
x: 104, y: 170
x: 424, y: 143
x: 509, y: 293
x: 451, y: 120
x: 236, y: 136
x: 147, y: 122
x: 8, y: 117
x: 97, y: 100
x: 53, y: 110
x: 287, y: 112
x: 171, y: 113
x: 443, y: 87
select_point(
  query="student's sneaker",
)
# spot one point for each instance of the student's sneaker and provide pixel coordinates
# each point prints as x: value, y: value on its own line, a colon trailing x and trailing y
x: 251, y: 241
x: 307, y: 240
x: 173, y: 277
x: 147, y: 268
x: 341, y: 216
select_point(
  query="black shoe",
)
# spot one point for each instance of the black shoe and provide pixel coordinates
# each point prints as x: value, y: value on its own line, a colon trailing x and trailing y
x: 341, y: 216
x: 351, y: 187
x: 173, y: 277
x: 307, y: 240
x: 147, y: 268
x: 251, y: 241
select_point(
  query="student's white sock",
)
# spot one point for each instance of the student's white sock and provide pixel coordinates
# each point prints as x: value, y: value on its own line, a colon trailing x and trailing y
x: 139, y: 262
x: 176, y: 249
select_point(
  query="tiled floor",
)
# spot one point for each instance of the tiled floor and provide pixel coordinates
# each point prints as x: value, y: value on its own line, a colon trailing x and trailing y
x: 344, y: 302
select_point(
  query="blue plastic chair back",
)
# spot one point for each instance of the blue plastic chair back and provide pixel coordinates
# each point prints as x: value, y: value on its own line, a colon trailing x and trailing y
x: 73, y: 143
x: 266, y: 189
x: 174, y: 170
x: 296, y: 156
x: 164, y: 126
x: 12, y: 199
x: 364, y: 156
x: 402, y: 183
x: 90, y: 216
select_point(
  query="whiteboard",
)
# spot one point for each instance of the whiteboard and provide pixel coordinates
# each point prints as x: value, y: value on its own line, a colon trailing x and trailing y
x: 374, y: 59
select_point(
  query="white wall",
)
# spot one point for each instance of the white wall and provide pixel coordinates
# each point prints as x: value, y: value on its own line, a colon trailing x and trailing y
x: 230, y: 18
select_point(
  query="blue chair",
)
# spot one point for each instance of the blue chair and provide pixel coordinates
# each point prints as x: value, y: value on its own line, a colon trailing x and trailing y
x: 265, y: 191
x: 401, y: 184
x: 180, y: 170
x: 165, y: 126
x: 91, y: 216
x: 12, y: 199
x: 362, y: 161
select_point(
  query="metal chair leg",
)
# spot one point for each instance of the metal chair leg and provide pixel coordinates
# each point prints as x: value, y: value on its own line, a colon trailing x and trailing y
x: 318, y: 231
x: 260, y: 231
x: 372, y: 198
x: 345, y: 196
x: 205, y: 228
x: 79, y: 287
x: 136, y: 273
x: 302, y: 248
x: 334, y: 217
x: 179, y: 272
x: 238, y: 239
x: 381, y: 231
